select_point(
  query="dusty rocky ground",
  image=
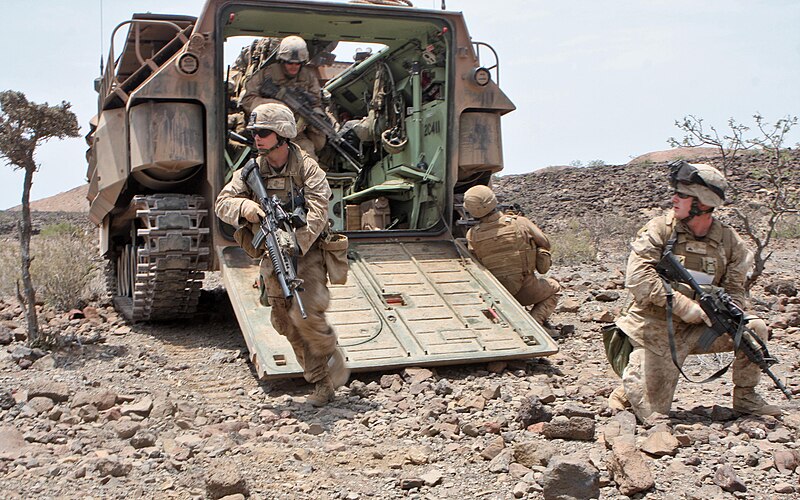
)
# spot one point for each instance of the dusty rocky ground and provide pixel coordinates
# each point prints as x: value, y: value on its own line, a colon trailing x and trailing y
x: 175, y: 411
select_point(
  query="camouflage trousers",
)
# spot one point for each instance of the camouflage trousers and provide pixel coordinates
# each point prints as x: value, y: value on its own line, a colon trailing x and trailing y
x: 541, y: 293
x: 312, y: 339
x: 650, y: 379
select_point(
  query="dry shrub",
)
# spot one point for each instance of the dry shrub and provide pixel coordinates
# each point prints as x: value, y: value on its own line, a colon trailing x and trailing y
x: 593, y: 238
x: 64, y: 268
x: 573, y: 246
x: 9, y: 266
x: 788, y: 227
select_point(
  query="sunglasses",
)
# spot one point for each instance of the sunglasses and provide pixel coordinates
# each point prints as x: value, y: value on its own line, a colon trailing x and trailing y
x: 682, y: 196
x: 262, y: 132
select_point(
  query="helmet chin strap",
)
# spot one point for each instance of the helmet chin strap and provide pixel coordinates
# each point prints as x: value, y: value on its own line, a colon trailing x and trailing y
x: 281, y: 142
x: 695, y: 210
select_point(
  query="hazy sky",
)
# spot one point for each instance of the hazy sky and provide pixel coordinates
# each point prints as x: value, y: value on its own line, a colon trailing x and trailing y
x: 591, y: 79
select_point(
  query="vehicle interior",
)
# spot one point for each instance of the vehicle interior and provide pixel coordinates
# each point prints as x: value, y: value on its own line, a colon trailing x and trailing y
x: 385, y: 94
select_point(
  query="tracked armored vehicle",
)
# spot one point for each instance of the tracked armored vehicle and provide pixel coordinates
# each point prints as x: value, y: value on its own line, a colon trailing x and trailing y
x: 412, y: 96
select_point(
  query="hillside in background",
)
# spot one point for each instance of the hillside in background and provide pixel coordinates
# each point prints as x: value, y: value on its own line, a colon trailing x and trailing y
x: 73, y: 200
x: 635, y: 191
x: 558, y: 198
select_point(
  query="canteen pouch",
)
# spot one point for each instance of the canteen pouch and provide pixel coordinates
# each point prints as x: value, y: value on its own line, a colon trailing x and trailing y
x: 618, y: 348
x: 244, y: 237
x: 543, y: 260
x: 334, y: 251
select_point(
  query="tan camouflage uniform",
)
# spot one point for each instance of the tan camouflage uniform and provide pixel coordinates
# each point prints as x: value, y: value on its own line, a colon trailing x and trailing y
x: 312, y: 339
x: 309, y: 140
x: 508, y: 245
x: 650, y: 378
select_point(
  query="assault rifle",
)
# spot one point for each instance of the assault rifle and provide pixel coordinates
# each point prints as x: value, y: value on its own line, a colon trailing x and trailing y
x: 301, y: 104
x: 507, y: 208
x: 726, y: 318
x: 276, y: 218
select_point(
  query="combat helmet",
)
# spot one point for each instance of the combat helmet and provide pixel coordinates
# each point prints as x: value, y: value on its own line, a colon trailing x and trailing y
x: 276, y: 117
x: 293, y: 49
x: 480, y: 200
x: 702, y: 181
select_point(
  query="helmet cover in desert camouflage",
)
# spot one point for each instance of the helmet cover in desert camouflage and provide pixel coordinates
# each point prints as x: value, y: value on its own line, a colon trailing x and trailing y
x: 293, y: 49
x: 276, y: 117
x: 702, y: 181
x: 479, y: 200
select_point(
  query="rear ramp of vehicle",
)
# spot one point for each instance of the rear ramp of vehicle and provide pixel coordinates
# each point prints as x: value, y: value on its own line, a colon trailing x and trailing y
x: 421, y: 303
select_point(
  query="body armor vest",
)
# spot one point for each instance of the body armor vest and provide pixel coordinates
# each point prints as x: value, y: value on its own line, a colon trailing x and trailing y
x: 705, y: 259
x: 503, y: 250
x: 282, y: 183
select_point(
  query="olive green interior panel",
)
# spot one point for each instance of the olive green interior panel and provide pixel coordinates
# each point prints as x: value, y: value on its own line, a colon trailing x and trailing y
x: 392, y: 104
x: 405, y: 304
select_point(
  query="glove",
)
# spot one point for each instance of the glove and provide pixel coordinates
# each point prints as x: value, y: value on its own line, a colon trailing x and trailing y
x: 688, y: 310
x: 251, y: 211
x: 286, y: 241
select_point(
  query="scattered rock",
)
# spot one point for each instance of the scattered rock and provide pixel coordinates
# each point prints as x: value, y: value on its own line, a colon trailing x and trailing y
x: 495, y: 446
x: 501, y: 462
x: 532, y: 453
x: 417, y: 375
x: 408, y: 483
x: 579, y: 428
x: 143, y: 440
x: 607, y: 296
x: 785, y: 461
x: 570, y: 479
x: 12, y: 443
x: 533, y: 411
x: 57, y: 391
x: 419, y: 455
x: 6, y: 336
x: 781, y: 287
x: 40, y: 404
x: 125, y: 429
x: 726, y: 478
x: 223, y: 480
x: 542, y: 391
x: 661, y: 443
x: 628, y: 467
x: 112, y: 466
x: 432, y: 478
x: 141, y: 407
x: 102, y: 399
x: 568, y: 305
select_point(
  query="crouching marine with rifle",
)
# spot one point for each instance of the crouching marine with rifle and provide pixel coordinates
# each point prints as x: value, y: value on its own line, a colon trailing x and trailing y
x: 279, y: 202
x: 686, y: 275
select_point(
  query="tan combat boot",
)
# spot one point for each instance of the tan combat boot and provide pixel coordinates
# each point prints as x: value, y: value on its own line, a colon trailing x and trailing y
x: 323, y: 393
x: 747, y: 401
x: 617, y: 400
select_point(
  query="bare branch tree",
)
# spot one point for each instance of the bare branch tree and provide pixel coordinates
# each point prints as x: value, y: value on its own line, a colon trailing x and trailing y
x: 24, y: 126
x: 729, y: 145
x: 773, y: 197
